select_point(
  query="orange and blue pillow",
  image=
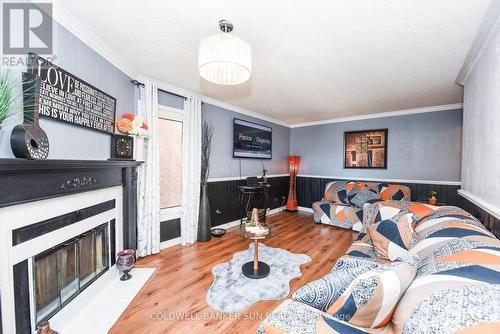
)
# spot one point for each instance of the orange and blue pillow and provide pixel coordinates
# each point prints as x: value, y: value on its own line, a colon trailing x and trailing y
x: 395, y: 192
x: 393, y: 237
x: 370, y: 300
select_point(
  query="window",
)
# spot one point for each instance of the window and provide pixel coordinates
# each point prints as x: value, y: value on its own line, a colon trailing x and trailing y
x: 170, y: 133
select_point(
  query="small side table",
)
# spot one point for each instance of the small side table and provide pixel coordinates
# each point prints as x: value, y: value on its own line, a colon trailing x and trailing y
x: 249, y: 193
x: 256, y: 269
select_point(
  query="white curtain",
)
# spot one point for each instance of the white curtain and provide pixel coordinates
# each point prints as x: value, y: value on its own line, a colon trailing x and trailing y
x: 148, y: 184
x: 191, y: 170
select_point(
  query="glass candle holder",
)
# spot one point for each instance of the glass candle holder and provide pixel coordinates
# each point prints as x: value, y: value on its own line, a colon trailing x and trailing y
x: 125, y: 262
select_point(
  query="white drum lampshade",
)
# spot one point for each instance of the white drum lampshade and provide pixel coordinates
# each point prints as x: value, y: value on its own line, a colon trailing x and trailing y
x: 225, y: 59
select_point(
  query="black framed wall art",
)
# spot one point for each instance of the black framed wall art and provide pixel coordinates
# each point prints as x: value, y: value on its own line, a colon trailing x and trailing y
x: 365, y: 149
x: 67, y: 98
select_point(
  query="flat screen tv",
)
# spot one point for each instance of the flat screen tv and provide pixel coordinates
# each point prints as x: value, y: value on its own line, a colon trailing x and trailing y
x: 251, y: 140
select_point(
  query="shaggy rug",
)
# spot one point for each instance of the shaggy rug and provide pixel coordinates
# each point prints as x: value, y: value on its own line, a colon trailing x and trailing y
x: 231, y: 291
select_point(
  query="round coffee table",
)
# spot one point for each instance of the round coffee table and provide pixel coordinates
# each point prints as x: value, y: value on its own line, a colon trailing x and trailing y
x: 256, y: 269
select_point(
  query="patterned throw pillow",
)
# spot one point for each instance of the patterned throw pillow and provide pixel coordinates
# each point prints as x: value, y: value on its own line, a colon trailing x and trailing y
x: 371, y: 298
x: 362, y: 196
x: 393, y: 192
x: 337, y: 191
x: 392, y: 238
x: 322, y: 293
x: 373, y: 213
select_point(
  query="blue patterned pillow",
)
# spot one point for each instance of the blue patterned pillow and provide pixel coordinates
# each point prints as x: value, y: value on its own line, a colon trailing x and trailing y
x: 364, y: 195
x: 322, y: 293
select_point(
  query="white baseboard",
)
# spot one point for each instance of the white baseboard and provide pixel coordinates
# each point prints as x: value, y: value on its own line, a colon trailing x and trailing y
x: 490, y: 208
x: 170, y: 243
x: 304, y: 209
x: 177, y: 241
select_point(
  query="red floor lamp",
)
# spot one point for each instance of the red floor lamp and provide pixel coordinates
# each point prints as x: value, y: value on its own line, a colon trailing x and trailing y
x: 293, y: 162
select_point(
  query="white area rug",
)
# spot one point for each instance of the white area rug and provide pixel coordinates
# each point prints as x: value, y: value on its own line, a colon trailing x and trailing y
x: 231, y: 291
x: 98, y: 307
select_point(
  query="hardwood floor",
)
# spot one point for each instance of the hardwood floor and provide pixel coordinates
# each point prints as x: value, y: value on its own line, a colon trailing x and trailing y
x: 173, y: 300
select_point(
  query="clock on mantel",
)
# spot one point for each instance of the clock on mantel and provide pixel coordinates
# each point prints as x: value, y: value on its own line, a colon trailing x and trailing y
x: 122, y: 147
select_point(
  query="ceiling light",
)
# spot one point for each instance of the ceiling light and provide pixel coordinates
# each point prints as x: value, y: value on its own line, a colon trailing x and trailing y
x: 224, y: 58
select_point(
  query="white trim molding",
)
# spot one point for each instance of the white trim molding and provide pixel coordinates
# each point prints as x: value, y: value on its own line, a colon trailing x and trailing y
x: 169, y: 88
x: 233, y: 178
x: 490, y: 208
x: 62, y: 16
x: 445, y: 107
x: 449, y: 183
x: 304, y: 209
x: 490, y: 23
x: 70, y: 23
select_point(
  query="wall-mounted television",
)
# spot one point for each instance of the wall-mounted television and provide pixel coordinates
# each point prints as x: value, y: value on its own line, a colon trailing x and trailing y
x: 251, y: 140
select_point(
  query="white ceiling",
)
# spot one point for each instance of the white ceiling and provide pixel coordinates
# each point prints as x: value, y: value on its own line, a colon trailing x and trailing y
x: 312, y: 60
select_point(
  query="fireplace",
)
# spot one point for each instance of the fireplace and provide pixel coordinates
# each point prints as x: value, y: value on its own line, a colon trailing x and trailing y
x: 61, y: 225
x: 62, y: 272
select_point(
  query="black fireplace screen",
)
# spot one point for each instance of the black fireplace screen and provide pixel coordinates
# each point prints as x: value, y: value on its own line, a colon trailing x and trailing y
x: 62, y: 272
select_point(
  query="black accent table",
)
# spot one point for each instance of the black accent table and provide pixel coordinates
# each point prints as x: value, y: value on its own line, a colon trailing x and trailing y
x: 249, y: 193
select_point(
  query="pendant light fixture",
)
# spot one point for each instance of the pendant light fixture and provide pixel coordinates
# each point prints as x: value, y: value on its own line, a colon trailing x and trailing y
x: 224, y: 58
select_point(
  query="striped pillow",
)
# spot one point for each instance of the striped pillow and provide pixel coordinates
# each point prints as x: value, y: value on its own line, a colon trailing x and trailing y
x: 393, y: 237
x: 370, y: 300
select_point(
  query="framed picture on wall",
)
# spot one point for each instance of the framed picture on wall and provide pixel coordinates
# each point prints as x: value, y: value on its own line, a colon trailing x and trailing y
x: 365, y: 149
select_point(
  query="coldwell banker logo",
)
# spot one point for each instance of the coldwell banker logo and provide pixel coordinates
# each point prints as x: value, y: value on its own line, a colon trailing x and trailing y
x: 27, y: 27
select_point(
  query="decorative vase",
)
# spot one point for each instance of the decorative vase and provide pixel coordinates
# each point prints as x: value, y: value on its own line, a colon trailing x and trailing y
x: 44, y: 328
x: 139, y: 148
x: 432, y: 200
x: 125, y: 262
x: 204, y: 221
x: 291, y: 204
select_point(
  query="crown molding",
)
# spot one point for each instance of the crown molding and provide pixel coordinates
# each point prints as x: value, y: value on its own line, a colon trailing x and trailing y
x: 70, y: 23
x: 445, y: 107
x: 490, y: 23
x: 62, y: 16
x: 205, y: 99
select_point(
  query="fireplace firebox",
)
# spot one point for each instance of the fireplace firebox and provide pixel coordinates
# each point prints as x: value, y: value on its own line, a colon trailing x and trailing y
x: 62, y: 272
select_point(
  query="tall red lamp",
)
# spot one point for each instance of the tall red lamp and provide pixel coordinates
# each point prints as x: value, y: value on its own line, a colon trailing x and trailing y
x: 293, y: 162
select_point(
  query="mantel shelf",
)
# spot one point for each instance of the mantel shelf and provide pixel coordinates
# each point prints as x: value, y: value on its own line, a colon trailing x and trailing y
x: 56, y: 164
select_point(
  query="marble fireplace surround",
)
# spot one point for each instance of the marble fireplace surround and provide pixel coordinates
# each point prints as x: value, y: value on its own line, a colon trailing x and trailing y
x: 36, y: 197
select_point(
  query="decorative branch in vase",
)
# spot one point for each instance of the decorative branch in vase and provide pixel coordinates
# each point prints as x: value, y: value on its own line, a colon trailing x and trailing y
x: 136, y: 126
x: 204, y: 222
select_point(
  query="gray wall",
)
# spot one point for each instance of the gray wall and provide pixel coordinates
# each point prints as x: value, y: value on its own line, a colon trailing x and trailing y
x: 222, y: 163
x: 424, y: 146
x: 69, y: 141
x: 481, y: 159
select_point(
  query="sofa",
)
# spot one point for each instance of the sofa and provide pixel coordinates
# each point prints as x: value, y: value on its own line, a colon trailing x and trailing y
x: 342, y: 203
x: 447, y: 280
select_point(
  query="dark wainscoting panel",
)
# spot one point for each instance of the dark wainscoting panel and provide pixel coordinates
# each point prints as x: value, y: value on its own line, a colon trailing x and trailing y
x: 224, y: 198
x: 170, y: 229
x: 112, y: 238
x: 22, y: 306
x: 491, y: 222
x: 311, y: 189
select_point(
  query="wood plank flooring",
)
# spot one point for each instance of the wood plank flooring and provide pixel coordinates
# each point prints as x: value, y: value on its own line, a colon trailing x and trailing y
x: 173, y: 300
